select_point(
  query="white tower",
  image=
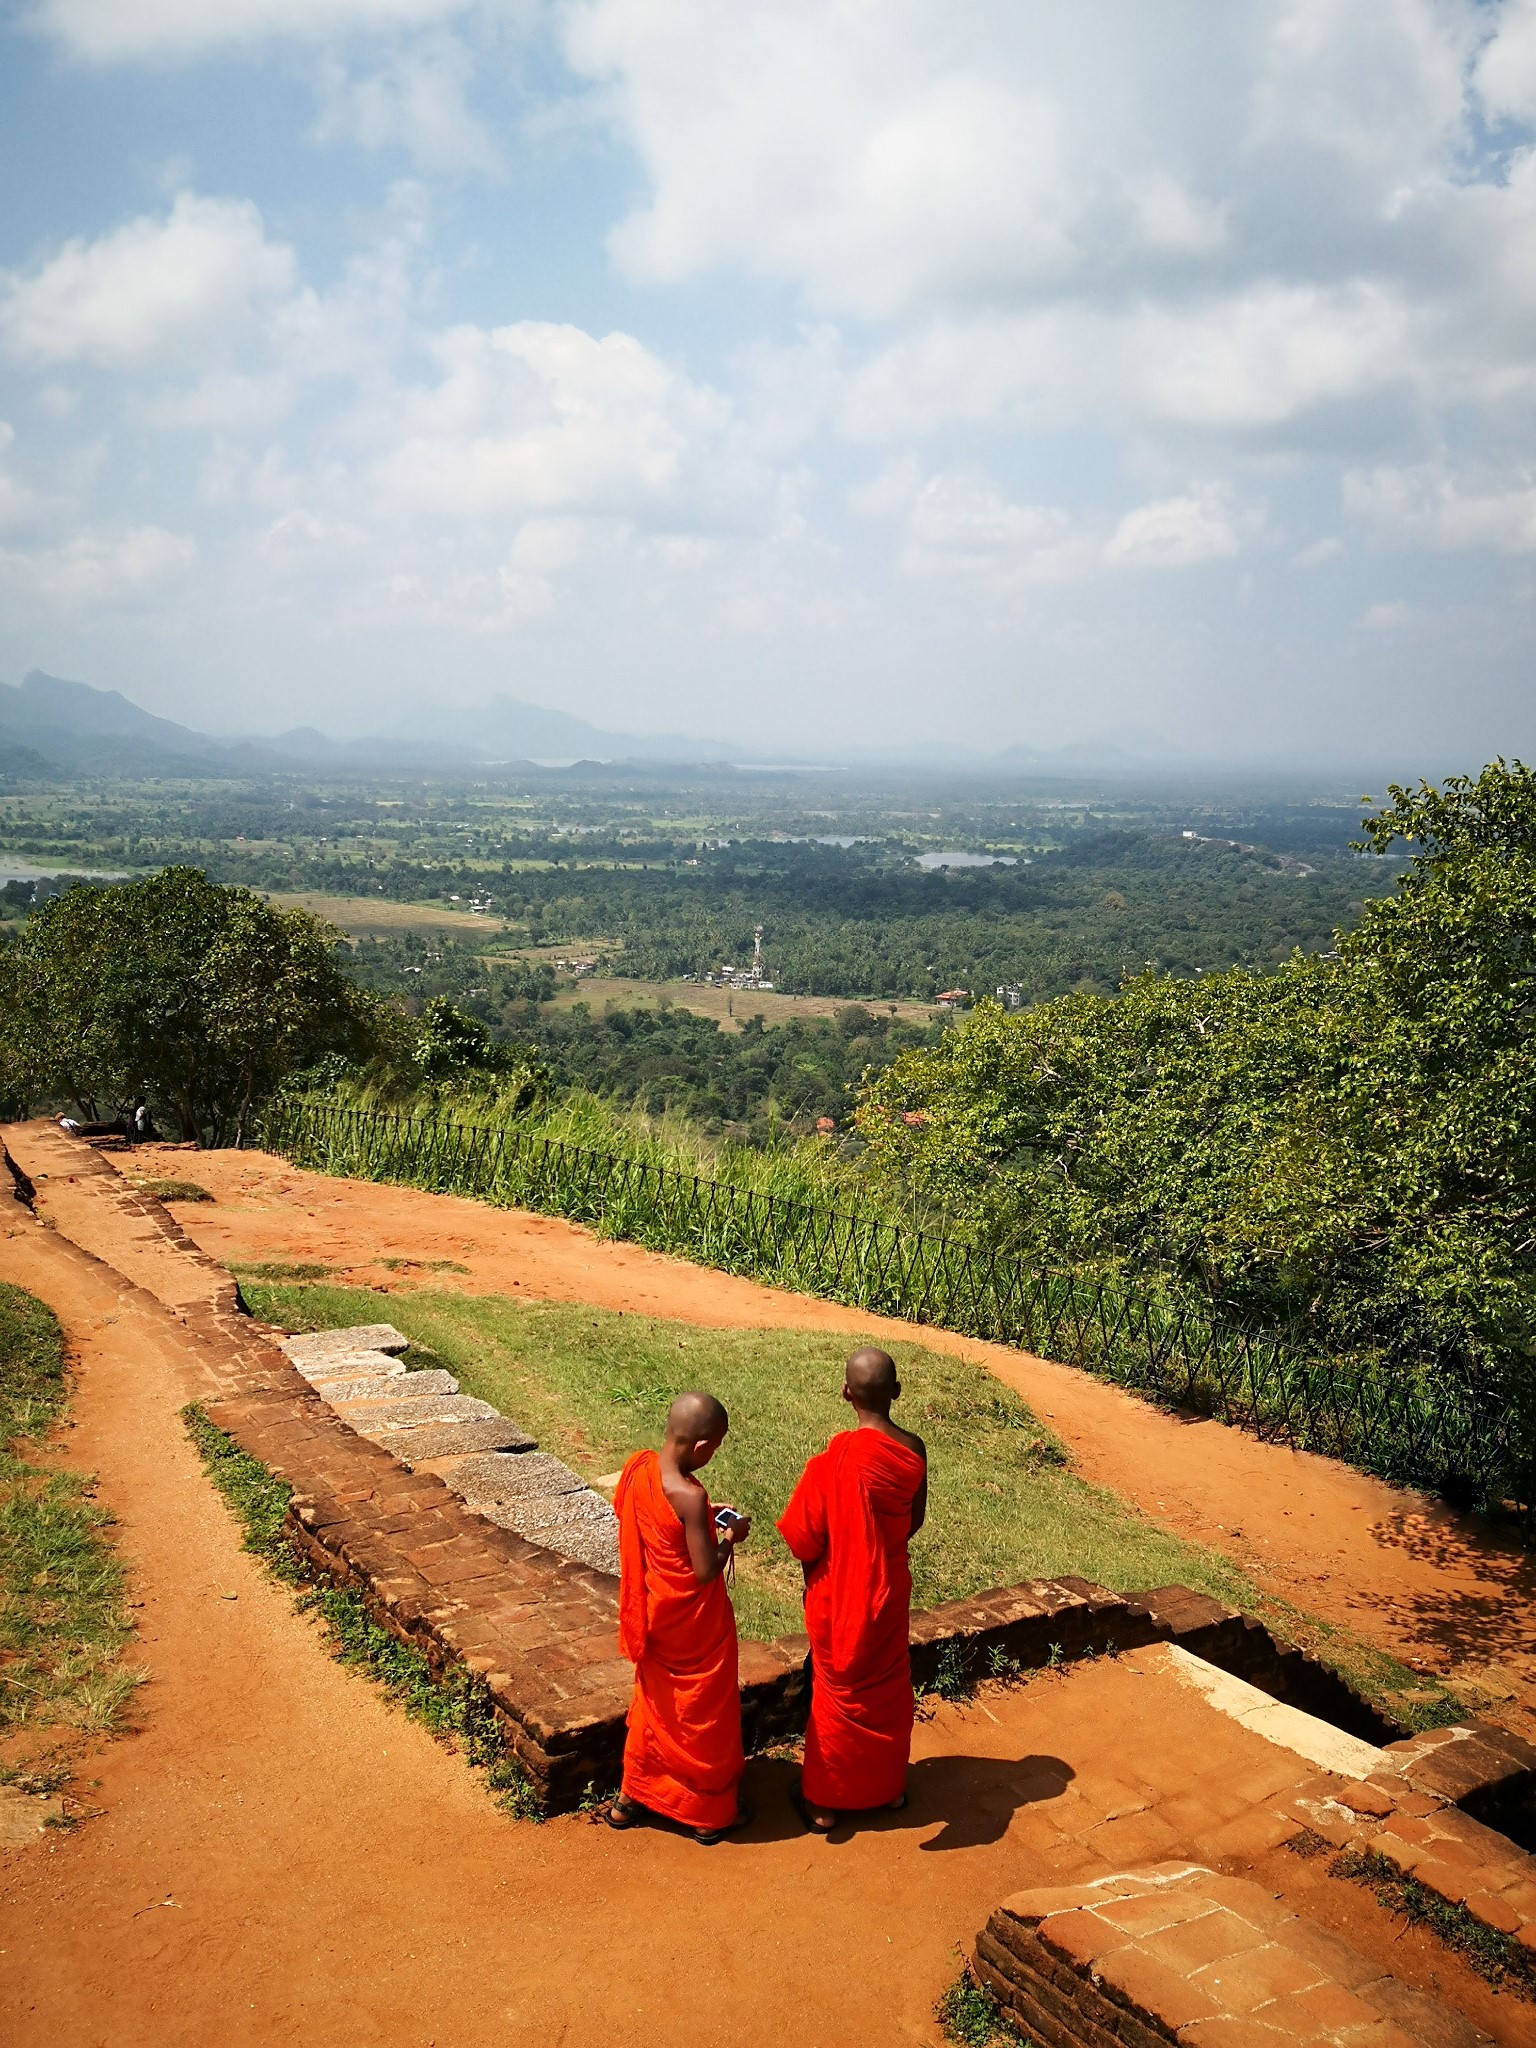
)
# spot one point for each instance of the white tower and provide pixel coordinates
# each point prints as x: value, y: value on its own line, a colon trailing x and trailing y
x: 757, y: 954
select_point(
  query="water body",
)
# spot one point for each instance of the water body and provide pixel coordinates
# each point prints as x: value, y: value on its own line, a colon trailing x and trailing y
x: 968, y: 860
x: 18, y: 871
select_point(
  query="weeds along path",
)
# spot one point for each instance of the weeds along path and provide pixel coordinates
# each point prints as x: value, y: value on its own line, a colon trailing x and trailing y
x: 1438, y: 1589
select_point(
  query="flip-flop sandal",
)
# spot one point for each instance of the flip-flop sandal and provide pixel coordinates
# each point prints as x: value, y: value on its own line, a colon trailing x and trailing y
x: 622, y: 1813
x: 707, y: 1837
x: 797, y: 1801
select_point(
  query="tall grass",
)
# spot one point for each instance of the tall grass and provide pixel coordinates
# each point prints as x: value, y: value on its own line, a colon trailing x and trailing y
x: 62, y: 1619
x: 798, y: 1220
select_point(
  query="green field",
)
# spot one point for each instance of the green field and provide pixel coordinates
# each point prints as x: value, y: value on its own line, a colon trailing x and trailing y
x: 1004, y: 1504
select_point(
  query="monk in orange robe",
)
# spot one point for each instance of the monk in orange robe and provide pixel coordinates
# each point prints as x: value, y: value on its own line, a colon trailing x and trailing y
x: 682, y: 1756
x: 849, y: 1521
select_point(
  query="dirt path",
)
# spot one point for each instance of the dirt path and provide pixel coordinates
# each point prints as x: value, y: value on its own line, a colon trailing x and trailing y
x: 1440, y: 1590
x: 282, y: 1857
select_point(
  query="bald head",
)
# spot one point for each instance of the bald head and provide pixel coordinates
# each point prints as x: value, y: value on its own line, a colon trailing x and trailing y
x: 696, y: 1419
x: 870, y: 1381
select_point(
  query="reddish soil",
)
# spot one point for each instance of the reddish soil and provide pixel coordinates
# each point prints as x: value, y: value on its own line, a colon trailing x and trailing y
x: 1445, y: 1592
x: 281, y: 1856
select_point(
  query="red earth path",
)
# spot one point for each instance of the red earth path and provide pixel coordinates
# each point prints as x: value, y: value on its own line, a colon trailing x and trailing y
x: 280, y: 1856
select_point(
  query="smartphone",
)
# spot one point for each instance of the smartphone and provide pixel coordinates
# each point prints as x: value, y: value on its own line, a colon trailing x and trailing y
x: 727, y: 1518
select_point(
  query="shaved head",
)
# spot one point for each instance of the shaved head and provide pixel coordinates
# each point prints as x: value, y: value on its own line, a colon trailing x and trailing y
x: 870, y: 1377
x: 696, y: 1419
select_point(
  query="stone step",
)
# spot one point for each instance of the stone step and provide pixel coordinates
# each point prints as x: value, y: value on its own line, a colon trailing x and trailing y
x: 351, y: 1365
x: 1175, y: 1952
x: 577, y: 1525
x: 419, y: 1446
x: 381, y: 1419
x: 391, y: 1387
x: 313, y: 1344
x: 507, y: 1476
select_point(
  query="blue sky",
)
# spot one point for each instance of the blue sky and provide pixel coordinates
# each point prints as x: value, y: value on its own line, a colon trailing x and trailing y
x: 989, y: 370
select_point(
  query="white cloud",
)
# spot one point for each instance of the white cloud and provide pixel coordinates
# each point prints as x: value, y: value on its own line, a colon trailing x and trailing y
x: 149, y: 291
x: 93, y: 568
x: 539, y: 417
x: 416, y: 100
x: 1320, y: 553
x: 1391, y: 617
x: 1506, y: 67
x: 107, y: 31
x: 15, y: 498
x: 961, y: 525
x: 880, y: 158
x: 1177, y: 533
x: 1430, y: 506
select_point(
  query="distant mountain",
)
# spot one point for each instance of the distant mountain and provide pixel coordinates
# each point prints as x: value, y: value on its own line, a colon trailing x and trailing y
x: 23, y: 764
x: 507, y: 729
x: 50, y: 727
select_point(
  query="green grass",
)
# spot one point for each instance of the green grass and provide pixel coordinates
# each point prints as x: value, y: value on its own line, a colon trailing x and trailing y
x: 170, y: 1190
x: 1004, y: 1505
x: 1497, y: 1957
x: 62, y: 1619
x: 453, y: 1706
x: 971, y: 2017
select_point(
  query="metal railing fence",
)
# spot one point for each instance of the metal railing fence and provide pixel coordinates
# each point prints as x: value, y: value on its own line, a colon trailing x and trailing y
x: 1448, y: 1423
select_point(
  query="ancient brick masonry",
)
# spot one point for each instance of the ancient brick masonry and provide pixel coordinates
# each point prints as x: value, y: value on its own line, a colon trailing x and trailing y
x: 1426, y: 1813
x: 1173, y: 1952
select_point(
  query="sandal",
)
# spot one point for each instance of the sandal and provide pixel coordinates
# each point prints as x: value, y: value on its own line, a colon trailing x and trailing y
x: 707, y: 1837
x: 797, y: 1801
x: 623, y: 1813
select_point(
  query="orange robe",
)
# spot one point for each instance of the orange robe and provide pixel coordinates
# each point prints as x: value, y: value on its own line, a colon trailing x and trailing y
x: 682, y: 1756
x: 849, y: 1520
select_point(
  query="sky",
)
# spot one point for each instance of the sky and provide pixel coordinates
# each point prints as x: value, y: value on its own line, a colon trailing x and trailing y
x: 824, y: 372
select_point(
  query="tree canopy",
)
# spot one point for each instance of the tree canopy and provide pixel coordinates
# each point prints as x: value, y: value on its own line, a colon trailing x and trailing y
x: 1345, y: 1147
x: 199, y: 998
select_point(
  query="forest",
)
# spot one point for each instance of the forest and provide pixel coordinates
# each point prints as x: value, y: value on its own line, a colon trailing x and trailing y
x: 1329, y: 1137
x: 665, y: 881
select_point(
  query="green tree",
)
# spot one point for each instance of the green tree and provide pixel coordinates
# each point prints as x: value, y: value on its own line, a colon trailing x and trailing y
x: 1345, y: 1147
x: 200, y: 998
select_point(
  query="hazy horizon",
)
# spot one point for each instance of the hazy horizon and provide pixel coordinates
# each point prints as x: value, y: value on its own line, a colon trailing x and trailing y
x: 784, y: 376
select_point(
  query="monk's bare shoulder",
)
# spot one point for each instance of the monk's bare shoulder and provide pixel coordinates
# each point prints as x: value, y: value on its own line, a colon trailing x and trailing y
x: 912, y: 1441
x: 686, y: 1498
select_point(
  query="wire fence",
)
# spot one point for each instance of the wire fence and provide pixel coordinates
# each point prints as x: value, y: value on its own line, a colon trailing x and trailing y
x: 1453, y: 1424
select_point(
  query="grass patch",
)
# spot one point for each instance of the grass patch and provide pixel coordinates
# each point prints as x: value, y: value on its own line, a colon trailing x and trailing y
x: 62, y: 1619
x: 593, y: 1385
x: 282, y: 1269
x: 971, y: 2017
x: 1497, y: 1957
x: 170, y: 1190
x: 453, y: 1706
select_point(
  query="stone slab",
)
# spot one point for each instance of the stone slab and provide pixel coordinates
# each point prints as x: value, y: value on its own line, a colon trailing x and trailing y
x: 579, y: 1525
x: 392, y: 1387
x: 1287, y: 1727
x: 379, y: 1419
x: 350, y: 1365
x: 549, y: 1511
x: 360, y: 1337
x: 456, y: 1440
x: 588, y: 1543
x: 511, y: 1475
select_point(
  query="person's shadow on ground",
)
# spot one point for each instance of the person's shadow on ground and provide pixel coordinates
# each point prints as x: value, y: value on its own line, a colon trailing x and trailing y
x: 974, y: 1796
